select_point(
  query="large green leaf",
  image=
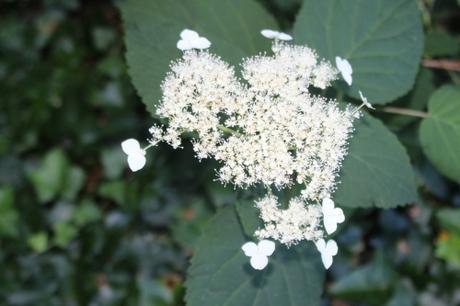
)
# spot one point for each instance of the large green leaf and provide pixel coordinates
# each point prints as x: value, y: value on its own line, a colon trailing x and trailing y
x: 440, y: 131
x: 220, y: 273
x: 152, y: 30
x: 377, y: 170
x: 382, y: 39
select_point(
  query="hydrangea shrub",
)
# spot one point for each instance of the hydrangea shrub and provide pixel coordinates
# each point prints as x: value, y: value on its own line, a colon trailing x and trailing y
x: 280, y: 118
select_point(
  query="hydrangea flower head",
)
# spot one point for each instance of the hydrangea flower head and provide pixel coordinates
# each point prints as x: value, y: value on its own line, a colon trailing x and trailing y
x: 267, y: 128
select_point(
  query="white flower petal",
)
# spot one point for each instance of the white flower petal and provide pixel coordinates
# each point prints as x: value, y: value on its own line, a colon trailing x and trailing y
x: 187, y: 34
x: 327, y: 250
x: 266, y: 247
x: 136, y: 162
x: 343, y: 65
x: 329, y: 224
x: 284, y: 36
x: 269, y: 33
x: 250, y: 249
x: 345, y: 69
x: 327, y: 260
x: 332, y: 248
x: 259, y: 261
x: 320, y: 245
x: 331, y: 215
x: 184, y: 45
x: 365, y: 100
x: 339, y: 215
x: 328, y: 205
x: 201, y: 43
x: 131, y: 146
x: 348, y: 78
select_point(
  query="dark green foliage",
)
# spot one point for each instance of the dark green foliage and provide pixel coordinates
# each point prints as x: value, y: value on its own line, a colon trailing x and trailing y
x: 78, y: 228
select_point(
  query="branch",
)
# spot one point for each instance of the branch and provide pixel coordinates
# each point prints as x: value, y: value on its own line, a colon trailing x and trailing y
x: 404, y: 111
x: 451, y: 65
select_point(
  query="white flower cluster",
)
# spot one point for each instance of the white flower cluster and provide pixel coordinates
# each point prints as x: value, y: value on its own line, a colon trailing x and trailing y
x: 299, y: 221
x: 296, y: 223
x: 269, y: 130
x: 266, y: 129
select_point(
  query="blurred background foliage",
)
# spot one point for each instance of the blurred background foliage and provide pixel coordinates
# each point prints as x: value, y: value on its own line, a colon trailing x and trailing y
x: 77, y: 228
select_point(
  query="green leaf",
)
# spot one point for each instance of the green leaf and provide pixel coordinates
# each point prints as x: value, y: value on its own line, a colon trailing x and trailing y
x: 382, y: 39
x: 405, y: 295
x: 449, y: 218
x: 153, y: 292
x: 114, y: 161
x: 440, y: 131
x: 371, y: 283
x: 220, y: 273
x: 56, y: 177
x: 48, y: 177
x: 74, y: 179
x: 188, y: 223
x: 441, y: 43
x: 114, y: 190
x: 38, y: 241
x: 152, y: 30
x: 377, y: 170
x: 86, y: 212
x: 448, y: 249
x: 8, y: 215
x: 103, y: 37
x: 248, y: 215
x: 64, y: 232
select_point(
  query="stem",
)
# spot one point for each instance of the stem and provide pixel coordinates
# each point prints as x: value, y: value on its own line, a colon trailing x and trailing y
x: 404, y: 111
x: 149, y: 146
x: 450, y: 65
x: 357, y: 109
x: 340, y: 95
